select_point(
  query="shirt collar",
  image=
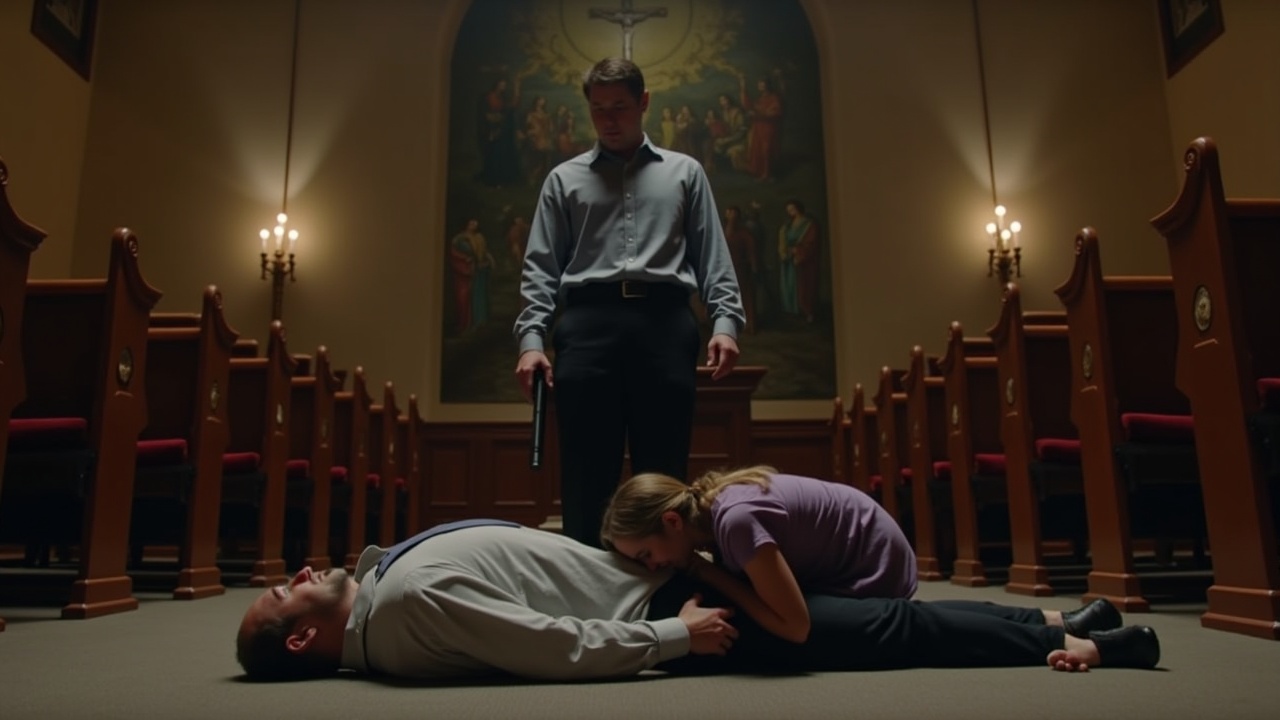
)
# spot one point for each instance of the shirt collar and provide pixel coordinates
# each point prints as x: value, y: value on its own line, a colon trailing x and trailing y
x: 354, y: 655
x: 646, y: 149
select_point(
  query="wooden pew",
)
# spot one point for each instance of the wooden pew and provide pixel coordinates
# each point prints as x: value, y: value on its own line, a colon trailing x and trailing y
x: 969, y: 372
x: 84, y: 345
x: 410, y: 461
x: 926, y: 440
x: 350, y: 472
x: 17, y: 241
x: 382, y: 492
x: 254, y: 466
x: 311, y: 460
x: 1224, y: 255
x: 840, y: 427
x: 178, y: 485
x: 864, y: 445
x: 1123, y: 340
x: 891, y: 420
x: 1041, y: 446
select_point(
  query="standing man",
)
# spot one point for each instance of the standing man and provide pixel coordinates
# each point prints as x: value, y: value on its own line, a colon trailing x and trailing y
x: 621, y: 236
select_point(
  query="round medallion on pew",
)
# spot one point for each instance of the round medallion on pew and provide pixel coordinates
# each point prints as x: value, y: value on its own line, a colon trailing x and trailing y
x: 214, y: 396
x: 1086, y: 361
x: 124, y: 369
x: 1008, y: 391
x: 279, y: 414
x: 955, y: 414
x: 1203, y: 309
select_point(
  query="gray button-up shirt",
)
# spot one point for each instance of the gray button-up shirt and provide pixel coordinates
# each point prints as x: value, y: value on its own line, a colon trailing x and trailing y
x: 603, y: 219
x: 500, y: 599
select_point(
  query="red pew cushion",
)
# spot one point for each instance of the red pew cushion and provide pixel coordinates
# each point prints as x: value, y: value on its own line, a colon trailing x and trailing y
x: 400, y: 483
x: 155, y: 453
x: 1153, y: 428
x: 1269, y: 393
x: 297, y: 468
x: 906, y: 475
x: 373, y: 480
x: 339, y: 473
x: 240, y: 462
x: 1058, y: 450
x: 989, y: 463
x: 942, y: 470
x: 48, y: 433
x: 875, y: 481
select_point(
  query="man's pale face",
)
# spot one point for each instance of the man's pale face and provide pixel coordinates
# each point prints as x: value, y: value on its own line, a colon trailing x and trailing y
x: 618, y: 116
x: 307, y: 594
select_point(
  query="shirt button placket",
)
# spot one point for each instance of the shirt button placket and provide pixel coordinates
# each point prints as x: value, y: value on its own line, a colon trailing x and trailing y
x: 629, y: 224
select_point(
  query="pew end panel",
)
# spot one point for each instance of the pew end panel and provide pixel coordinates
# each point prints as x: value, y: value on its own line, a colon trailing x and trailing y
x: 261, y: 391
x: 1095, y: 413
x: 349, y: 476
x: 840, y: 427
x: 18, y: 239
x: 179, y: 470
x: 414, y: 426
x: 1028, y: 574
x: 1223, y: 255
x: 864, y: 445
x: 957, y: 366
x: 891, y: 419
x: 311, y: 459
x: 91, y: 372
x: 924, y: 391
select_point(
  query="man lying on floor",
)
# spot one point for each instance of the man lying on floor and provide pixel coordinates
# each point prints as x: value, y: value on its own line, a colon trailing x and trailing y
x: 485, y: 597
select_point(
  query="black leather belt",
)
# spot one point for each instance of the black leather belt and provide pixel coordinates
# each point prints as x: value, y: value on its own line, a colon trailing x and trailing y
x: 627, y: 291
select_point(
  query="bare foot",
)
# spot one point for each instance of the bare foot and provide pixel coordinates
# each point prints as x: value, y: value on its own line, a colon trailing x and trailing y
x: 1078, y: 656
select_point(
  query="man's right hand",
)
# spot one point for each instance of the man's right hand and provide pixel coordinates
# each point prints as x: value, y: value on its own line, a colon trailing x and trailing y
x: 530, y: 361
x: 709, y: 630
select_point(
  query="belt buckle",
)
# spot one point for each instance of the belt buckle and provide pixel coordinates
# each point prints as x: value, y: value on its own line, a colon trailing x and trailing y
x: 633, y: 289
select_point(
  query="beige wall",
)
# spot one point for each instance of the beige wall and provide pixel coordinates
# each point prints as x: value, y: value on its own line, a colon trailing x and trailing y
x: 43, y: 124
x: 1231, y: 92
x: 186, y: 144
x: 1079, y: 137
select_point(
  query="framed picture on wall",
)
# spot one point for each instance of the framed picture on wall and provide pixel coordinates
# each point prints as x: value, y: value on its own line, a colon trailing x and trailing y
x: 66, y: 26
x: 1187, y: 26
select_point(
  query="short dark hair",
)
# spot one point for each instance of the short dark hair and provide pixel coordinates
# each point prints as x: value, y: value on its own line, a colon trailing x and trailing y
x: 614, y: 70
x: 265, y: 657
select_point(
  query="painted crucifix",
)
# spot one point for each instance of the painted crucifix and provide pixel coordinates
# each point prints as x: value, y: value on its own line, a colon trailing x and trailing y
x: 627, y: 17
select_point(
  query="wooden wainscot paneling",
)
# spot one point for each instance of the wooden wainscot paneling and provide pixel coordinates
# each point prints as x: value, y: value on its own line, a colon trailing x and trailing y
x: 482, y: 470
x: 797, y: 447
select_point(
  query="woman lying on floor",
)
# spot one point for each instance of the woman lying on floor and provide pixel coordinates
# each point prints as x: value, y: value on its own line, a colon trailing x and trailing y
x: 806, y: 547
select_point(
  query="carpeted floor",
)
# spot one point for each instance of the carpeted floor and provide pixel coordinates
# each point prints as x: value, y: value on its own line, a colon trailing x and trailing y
x: 174, y: 659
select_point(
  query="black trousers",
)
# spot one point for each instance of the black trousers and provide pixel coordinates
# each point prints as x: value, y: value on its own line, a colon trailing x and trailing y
x: 872, y: 634
x: 624, y: 373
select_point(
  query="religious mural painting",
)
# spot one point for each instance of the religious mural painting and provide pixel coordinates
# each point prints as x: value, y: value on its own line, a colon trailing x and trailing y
x: 733, y: 83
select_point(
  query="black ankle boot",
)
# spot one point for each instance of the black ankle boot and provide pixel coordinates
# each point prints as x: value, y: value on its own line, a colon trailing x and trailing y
x: 1097, y: 615
x: 1133, y: 647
